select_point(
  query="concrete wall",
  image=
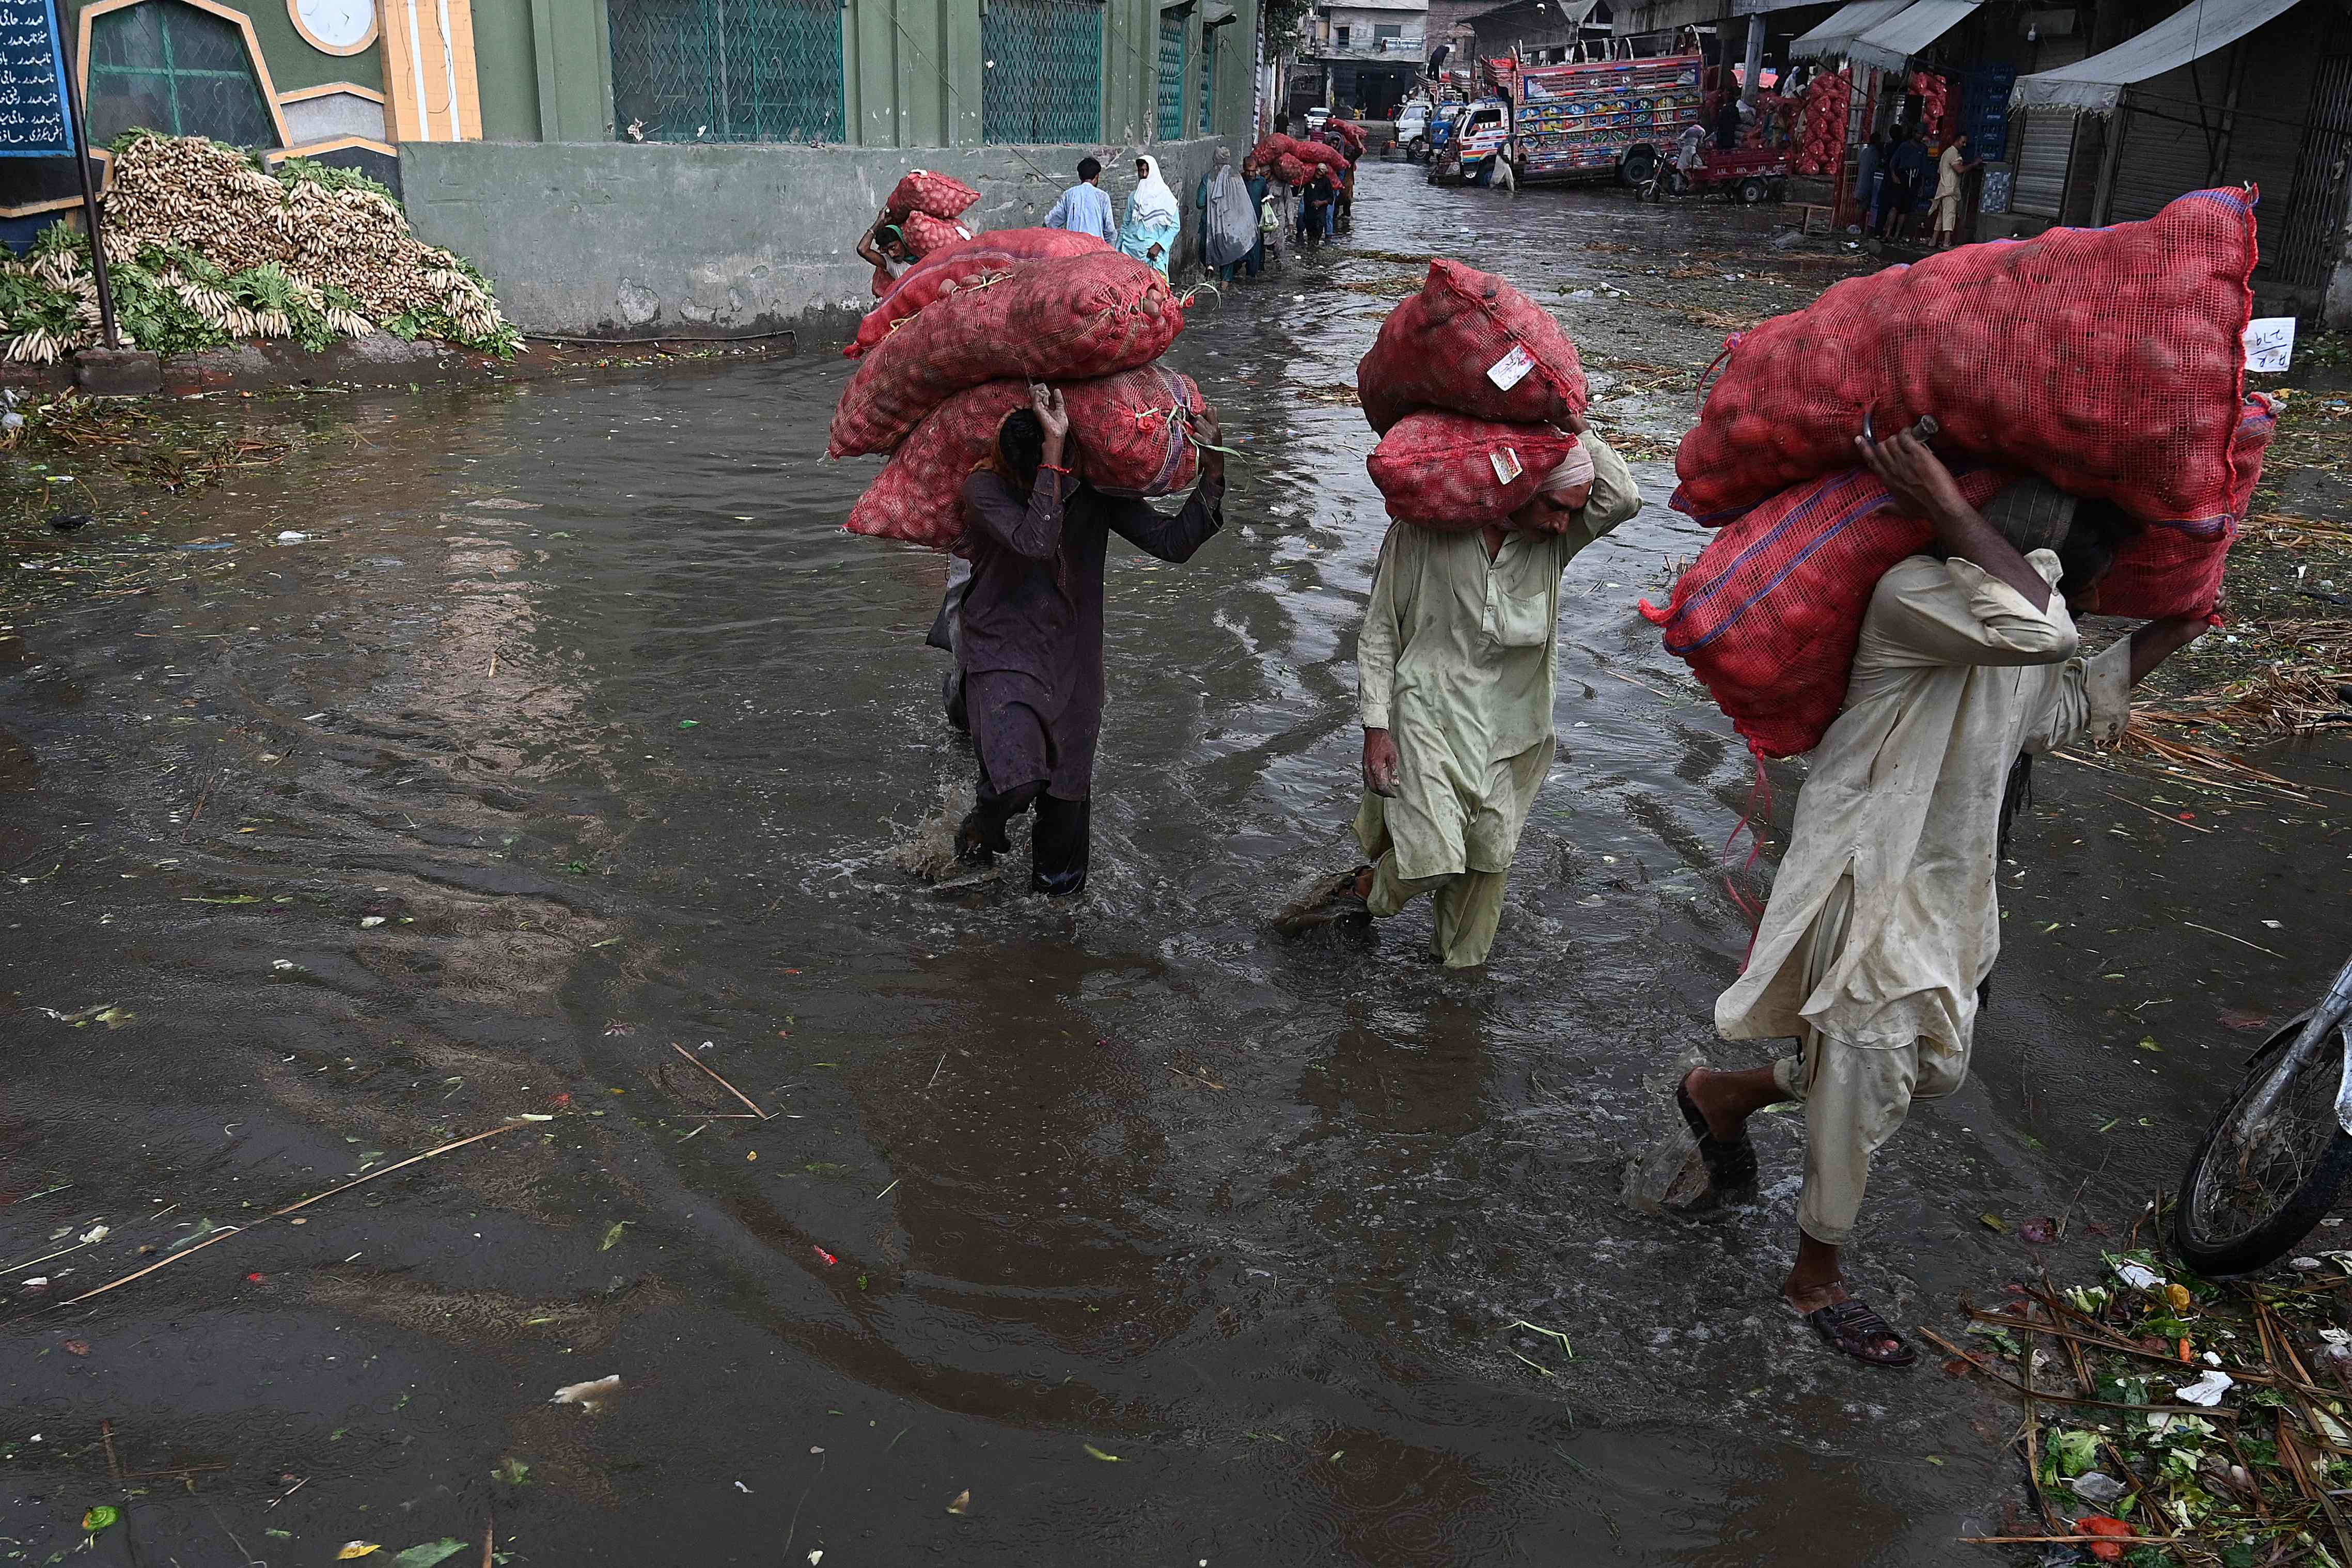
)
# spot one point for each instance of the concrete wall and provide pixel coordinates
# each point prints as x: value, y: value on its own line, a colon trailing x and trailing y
x: 621, y: 240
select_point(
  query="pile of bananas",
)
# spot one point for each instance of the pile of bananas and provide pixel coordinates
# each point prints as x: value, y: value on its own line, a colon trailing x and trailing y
x: 204, y: 246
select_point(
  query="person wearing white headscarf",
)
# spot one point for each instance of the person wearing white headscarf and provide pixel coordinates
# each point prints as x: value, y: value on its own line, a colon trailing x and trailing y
x: 1457, y: 667
x: 1153, y: 219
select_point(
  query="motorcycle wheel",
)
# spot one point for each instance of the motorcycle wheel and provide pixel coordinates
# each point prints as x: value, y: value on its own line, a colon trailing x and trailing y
x: 1636, y: 168
x: 2253, y: 1189
x: 1751, y: 190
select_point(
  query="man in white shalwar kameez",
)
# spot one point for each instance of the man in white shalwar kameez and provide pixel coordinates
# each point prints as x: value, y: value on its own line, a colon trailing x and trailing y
x: 1882, y: 922
x: 1457, y: 669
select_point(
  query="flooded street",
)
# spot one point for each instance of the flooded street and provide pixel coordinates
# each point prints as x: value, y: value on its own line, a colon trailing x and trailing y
x: 576, y: 729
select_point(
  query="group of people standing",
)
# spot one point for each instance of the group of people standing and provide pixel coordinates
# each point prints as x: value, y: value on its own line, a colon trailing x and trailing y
x: 1893, y: 182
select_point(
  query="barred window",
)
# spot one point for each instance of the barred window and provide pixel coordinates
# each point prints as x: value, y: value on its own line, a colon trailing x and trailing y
x: 1173, y: 25
x: 726, y: 70
x: 1209, y: 79
x: 1042, y: 70
x: 163, y: 66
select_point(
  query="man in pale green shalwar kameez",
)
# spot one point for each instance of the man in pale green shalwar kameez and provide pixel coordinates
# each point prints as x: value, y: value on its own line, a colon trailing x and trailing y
x: 1457, y: 667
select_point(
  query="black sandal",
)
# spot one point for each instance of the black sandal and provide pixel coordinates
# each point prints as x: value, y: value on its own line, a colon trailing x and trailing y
x: 1851, y: 1328
x: 1335, y: 903
x: 1730, y: 1165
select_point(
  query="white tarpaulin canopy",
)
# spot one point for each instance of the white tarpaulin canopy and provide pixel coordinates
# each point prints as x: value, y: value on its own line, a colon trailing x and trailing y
x: 1890, y: 45
x: 1848, y: 23
x: 2096, y: 84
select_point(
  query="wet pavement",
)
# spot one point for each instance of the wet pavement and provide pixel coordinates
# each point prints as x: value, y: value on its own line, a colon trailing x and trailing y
x: 576, y: 729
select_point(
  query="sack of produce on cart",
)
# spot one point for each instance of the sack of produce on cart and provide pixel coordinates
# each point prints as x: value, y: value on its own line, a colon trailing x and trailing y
x: 1451, y: 471
x: 2175, y: 568
x: 1769, y: 615
x: 932, y: 194
x: 1129, y: 429
x: 928, y: 236
x: 2107, y: 361
x: 1070, y: 319
x: 959, y: 266
x: 1470, y: 343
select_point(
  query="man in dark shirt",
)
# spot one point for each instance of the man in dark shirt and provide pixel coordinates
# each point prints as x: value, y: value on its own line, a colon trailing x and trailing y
x: 1729, y: 128
x: 1031, y: 639
x: 1315, y: 199
x: 1908, y: 169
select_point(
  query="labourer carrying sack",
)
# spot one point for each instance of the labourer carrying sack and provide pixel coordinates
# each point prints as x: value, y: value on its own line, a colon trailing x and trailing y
x: 1030, y: 640
x: 1456, y: 669
x: 1883, y: 922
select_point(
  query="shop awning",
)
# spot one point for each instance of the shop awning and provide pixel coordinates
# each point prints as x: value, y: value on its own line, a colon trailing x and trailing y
x: 1890, y: 45
x: 2096, y: 84
x: 1641, y: 16
x: 1848, y: 23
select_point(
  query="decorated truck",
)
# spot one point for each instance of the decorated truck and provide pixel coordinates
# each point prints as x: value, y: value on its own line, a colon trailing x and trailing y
x: 1599, y: 119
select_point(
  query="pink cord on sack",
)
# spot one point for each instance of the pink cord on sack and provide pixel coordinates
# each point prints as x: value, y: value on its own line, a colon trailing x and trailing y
x: 1760, y: 797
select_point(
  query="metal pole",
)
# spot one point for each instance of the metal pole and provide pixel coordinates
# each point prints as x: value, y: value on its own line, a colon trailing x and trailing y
x: 1753, y: 76
x: 88, y: 198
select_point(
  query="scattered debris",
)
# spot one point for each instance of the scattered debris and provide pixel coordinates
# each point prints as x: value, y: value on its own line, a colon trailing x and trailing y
x: 590, y: 1396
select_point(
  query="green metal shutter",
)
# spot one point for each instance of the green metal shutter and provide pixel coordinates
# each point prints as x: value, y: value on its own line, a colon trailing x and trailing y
x: 1041, y: 70
x: 1170, y: 85
x: 726, y: 70
x: 1209, y: 81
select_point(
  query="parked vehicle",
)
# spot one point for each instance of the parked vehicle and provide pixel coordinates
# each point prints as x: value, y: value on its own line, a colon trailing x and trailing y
x: 1600, y: 118
x: 1749, y: 174
x: 1412, y: 131
x: 2275, y: 1155
x: 1481, y: 132
x: 1316, y: 118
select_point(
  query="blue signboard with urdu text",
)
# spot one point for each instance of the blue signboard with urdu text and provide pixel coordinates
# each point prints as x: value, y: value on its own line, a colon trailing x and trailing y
x: 33, y: 119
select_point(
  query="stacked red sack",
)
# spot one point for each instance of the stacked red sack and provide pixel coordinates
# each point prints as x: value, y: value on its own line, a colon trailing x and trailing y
x: 1933, y: 93
x: 1472, y: 387
x: 937, y: 378
x: 1271, y: 152
x: 1820, y: 140
x: 2109, y: 362
x: 928, y: 236
x: 933, y: 194
x: 962, y: 265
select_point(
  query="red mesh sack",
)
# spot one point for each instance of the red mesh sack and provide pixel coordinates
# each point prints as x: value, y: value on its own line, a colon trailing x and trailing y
x: 1071, y: 319
x: 1131, y: 440
x: 1450, y: 472
x: 929, y: 193
x: 2175, y: 568
x: 1770, y: 613
x: 928, y: 236
x: 1291, y: 172
x: 1470, y: 343
x: 2107, y: 361
x: 945, y: 271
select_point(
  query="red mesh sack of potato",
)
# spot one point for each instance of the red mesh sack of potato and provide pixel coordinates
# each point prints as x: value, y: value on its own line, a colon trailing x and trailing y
x: 1082, y: 317
x: 1770, y: 613
x: 1470, y: 343
x: 1451, y: 471
x: 945, y: 271
x: 1291, y: 172
x: 1129, y: 429
x: 2109, y: 360
x: 2175, y: 568
x: 929, y: 193
x: 928, y: 236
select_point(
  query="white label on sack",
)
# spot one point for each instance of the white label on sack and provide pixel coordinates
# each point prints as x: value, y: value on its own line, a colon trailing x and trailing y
x: 1506, y: 465
x: 2270, y: 344
x: 1507, y: 371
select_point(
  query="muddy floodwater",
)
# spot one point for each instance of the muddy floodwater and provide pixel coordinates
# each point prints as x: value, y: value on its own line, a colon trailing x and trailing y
x: 575, y: 730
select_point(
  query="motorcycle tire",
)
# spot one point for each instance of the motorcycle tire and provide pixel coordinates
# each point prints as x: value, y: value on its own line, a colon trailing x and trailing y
x: 2246, y: 1250
x: 1751, y: 190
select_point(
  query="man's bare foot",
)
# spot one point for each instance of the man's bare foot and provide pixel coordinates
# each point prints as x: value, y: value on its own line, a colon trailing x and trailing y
x: 1817, y: 1293
x: 1726, y: 1099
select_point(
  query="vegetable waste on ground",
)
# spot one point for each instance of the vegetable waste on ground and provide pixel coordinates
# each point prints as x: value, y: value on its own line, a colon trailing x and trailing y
x: 205, y: 246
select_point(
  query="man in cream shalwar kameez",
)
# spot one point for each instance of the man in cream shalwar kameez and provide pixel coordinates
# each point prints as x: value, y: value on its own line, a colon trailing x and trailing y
x: 1882, y: 922
x: 1457, y: 667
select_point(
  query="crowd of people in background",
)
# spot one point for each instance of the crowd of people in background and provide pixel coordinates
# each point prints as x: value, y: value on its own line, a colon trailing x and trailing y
x: 1893, y: 184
